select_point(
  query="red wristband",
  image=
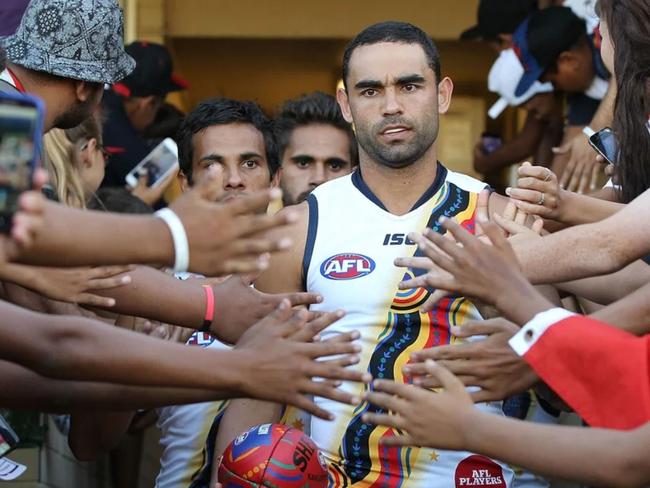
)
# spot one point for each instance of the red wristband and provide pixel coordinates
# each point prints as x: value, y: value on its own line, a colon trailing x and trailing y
x: 209, y: 308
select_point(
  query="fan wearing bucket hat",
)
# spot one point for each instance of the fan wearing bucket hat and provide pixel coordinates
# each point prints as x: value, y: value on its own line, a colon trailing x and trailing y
x: 543, y: 122
x: 63, y: 52
x: 131, y: 106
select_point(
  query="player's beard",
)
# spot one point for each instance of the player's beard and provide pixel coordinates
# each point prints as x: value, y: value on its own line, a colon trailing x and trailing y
x: 399, y: 154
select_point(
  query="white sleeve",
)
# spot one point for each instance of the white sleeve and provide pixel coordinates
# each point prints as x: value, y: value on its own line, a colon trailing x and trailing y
x: 533, y: 330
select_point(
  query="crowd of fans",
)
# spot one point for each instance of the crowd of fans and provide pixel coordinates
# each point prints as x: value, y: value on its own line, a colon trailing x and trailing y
x: 391, y: 303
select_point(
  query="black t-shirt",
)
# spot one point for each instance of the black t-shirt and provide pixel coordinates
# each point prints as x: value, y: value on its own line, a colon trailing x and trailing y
x: 126, y: 147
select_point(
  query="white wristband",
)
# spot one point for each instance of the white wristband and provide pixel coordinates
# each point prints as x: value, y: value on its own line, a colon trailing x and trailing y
x: 179, y: 236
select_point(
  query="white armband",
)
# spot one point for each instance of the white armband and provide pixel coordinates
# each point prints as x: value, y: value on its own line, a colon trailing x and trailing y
x: 179, y: 236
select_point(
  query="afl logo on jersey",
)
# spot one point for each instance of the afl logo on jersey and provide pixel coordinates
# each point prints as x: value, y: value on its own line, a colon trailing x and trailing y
x: 347, y: 267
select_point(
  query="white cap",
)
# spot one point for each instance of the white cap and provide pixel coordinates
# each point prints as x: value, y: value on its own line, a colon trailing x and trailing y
x: 503, y: 80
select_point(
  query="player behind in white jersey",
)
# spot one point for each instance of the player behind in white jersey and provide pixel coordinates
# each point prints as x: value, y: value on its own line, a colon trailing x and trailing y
x: 350, y: 231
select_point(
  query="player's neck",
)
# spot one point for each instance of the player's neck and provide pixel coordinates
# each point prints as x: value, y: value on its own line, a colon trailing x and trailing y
x: 399, y: 189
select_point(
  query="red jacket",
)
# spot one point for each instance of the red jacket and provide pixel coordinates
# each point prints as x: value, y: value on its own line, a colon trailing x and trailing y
x: 600, y: 371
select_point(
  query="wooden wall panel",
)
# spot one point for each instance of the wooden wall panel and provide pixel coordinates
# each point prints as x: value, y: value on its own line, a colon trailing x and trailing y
x: 442, y: 19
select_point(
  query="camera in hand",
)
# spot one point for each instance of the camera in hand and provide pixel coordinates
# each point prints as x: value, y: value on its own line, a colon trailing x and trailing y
x: 21, y: 119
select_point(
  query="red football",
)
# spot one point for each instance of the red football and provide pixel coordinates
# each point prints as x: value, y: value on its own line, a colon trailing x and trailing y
x: 272, y: 455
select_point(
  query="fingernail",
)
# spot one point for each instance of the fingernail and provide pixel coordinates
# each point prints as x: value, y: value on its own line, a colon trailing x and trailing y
x: 110, y: 302
x: 319, y: 299
x: 125, y: 280
x: 442, y: 219
x: 508, y: 191
x: 285, y: 243
x: 366, y: 378
x: 355, y: 400
x: 430, y: 362
x: 284, y: 304
x: 356, y: 335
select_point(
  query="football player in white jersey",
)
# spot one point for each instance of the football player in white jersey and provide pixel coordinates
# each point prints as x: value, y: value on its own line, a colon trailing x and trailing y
x: 349, y: 233
x: 236, y: 138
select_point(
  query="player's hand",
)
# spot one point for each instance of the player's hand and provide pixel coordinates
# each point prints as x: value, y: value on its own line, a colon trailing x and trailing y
x: 473, y: 269
x: 490, y: 364
x: 240, y: 306
x: 582, y: 170
x: 151, y: 194
x: 287, y: 365
x: 229, y: 238
x: 76, y: 285
x: 423, y: 418
x: 538, y: 192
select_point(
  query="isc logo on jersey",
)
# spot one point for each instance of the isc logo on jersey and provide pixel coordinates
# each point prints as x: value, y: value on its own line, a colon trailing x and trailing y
x: 347, y: 266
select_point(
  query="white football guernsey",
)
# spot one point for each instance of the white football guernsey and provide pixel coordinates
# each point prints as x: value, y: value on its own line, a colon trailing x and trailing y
x: 351, y: 245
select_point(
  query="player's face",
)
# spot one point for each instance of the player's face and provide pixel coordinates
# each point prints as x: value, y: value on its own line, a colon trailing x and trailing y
x: 394, y: 101
x: 238, y: 153
x: 316, y: 153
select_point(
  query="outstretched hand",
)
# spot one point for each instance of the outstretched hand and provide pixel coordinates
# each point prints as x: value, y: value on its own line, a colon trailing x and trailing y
x: 475, y: 270
x: 424, y: 418
x: 241, y: 306
x: 288, y: 364
x: 490, y: 364
x: 228, y: 238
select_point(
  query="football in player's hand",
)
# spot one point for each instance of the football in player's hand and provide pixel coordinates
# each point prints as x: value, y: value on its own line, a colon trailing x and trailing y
x: 272, y: 455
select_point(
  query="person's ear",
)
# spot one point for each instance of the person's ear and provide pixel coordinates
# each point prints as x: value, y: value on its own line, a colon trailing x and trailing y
x: 275, y: 181
x: 84, y: 91
x: 445, y: 91
x: 86, y: 159
x: 567, y: 59
x: 183, y: 181
x: 344, y: 103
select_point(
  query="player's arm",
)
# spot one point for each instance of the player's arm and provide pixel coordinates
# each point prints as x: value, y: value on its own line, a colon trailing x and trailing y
x: 595, y: 249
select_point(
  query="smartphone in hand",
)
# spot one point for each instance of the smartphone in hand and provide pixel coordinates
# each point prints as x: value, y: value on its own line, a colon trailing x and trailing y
x: 156, y: 165
x: 21, y: 132
x: 604, y: 143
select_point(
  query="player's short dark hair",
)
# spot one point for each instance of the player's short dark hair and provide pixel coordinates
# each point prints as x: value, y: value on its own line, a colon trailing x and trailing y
x: 119, y: 200
x: 223, y: 111
x: 393, y: 31
x: 315, y: 108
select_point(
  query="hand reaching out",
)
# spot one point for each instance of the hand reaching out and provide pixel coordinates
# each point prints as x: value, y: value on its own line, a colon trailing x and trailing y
x: 490, y: 363
x: 241, y: 305
x: 286, y: 361
x: 582, y: 170
x: 76, y: 285
x: 228, y: 238
x: 476, y: 270
x: 424, y: 418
